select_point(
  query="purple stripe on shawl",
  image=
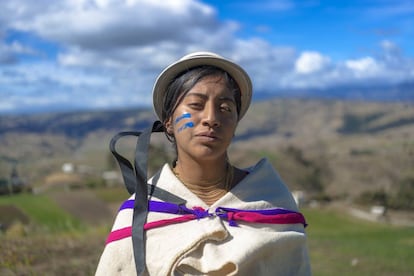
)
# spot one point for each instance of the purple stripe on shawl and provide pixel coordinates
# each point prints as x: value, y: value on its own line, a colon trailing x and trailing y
x: 167, y: 207
x: 171, y: 208
x: 158, y: 206
x: 128, y: 204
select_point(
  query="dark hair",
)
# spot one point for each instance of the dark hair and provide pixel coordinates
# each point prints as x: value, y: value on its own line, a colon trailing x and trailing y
x: 184, y: 82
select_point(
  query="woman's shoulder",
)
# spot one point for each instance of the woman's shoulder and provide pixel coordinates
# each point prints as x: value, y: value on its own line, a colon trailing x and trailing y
x: 264, y: 173
x: 263, y: 183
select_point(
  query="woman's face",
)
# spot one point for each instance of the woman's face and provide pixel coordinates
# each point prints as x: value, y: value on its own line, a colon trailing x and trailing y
x: 204, y: 122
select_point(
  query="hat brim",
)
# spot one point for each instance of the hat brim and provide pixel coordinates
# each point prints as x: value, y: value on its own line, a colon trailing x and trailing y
x: 199, y: 59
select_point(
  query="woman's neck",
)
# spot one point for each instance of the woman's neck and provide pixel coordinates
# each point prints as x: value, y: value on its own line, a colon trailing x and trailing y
x: 209, y: 181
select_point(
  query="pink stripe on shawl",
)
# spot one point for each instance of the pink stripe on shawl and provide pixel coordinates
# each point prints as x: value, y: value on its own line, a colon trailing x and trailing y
x: 126, y: 232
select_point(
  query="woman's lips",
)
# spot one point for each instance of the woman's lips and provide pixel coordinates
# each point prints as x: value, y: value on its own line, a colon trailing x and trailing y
x: 207, y: 136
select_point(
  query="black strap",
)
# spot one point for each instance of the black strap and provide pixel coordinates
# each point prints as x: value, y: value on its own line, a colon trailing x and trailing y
x: 135, y: 179
x: 165, y: 195
x: 127, y: 170
x: 128, y: 173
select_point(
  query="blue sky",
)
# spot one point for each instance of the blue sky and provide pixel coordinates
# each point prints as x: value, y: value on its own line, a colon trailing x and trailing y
x: 68, y: 54
x: 340, y: 29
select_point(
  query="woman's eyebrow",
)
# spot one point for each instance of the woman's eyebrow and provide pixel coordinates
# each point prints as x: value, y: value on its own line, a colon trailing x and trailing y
x: 227, y: 99
x: 205, y: 97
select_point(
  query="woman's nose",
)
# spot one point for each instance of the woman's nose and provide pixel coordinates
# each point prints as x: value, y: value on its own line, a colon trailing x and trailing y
x: 211, y: 117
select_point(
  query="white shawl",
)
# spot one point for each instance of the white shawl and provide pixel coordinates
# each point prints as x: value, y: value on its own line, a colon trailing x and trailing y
x: 210, y: 246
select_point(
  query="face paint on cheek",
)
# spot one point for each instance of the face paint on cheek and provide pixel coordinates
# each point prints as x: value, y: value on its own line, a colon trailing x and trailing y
x: 188, y: 124
x: 184, y: 116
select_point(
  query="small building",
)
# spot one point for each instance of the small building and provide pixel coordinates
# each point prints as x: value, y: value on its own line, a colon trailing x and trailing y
x: 68, y: 168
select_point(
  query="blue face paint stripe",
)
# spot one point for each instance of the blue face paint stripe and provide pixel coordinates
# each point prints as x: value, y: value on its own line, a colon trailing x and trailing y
x: 187, y: 125
x: 185, y: 115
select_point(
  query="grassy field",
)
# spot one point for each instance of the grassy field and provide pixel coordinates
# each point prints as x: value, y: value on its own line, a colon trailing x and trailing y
x: 44, y: 213
x: 51, y: 242
x: 342, y: 245
x: 56, y: 243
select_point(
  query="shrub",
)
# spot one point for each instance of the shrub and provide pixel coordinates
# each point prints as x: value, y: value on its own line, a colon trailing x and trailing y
x: 404, y: 198
x: 376, y: 197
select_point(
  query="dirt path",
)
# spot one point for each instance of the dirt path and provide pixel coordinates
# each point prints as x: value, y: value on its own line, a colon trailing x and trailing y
x: 85, y: 205
x: 392, y: 217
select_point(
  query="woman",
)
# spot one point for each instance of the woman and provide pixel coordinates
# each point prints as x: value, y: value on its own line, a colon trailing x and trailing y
x: 205, y: 216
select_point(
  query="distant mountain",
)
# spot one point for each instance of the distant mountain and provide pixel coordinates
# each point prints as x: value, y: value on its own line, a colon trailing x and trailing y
x: 343, y: 147
x: 403, y: 92
x: 265, y: 117
x: 77, y: 124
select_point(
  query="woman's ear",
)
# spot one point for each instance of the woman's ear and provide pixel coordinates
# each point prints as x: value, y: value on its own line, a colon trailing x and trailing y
x: 169, y: 126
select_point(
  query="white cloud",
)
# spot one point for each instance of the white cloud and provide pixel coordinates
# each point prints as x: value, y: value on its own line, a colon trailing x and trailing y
x: 116, y: 33
x: 109, y: 52
x: 116, y: 24
x: 311, y: 62
x: 364, y: 65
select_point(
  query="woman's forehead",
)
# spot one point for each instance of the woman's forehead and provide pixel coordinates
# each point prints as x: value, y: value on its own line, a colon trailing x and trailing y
x: 212, y: 81
x: 211, y: 86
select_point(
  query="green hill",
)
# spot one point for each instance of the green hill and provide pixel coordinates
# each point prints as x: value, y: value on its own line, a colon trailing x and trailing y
x: 337, y: 149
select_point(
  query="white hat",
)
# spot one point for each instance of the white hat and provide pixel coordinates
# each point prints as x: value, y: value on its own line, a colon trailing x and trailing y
x: 199, y: 59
